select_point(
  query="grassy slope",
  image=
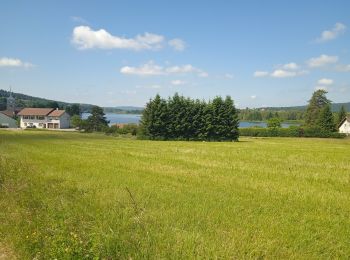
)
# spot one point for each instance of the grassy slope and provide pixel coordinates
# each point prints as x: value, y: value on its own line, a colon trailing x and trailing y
x: 64, y: 194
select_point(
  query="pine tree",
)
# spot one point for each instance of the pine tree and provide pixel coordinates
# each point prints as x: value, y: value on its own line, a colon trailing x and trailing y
x: 341, y: 115
x: 316, y: 103
x: 232, y: 121
x: 155, y: 119
x: 326, y: 120
x: 97, y: 120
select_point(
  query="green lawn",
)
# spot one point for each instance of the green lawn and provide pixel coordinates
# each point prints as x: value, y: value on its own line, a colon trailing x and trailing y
x: 73, y: 195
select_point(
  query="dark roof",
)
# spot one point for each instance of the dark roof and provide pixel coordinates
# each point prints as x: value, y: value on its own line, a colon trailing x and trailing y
x: 342, y: 122
x: 57, y: 112
x: 35, y: 111
x: 8, y: 113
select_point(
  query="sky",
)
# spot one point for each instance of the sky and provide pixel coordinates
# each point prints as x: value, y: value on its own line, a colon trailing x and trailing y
x: 117, y: 53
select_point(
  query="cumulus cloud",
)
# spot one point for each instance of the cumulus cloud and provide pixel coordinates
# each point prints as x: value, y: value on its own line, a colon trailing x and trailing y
x: 11, y: 62
x: 253, y: 97
x: 333, y: 33
x: 291, y: 66
x: 321, y: 61
x: 325, y: 81
x: 178, y: 82
x: 85, y: 38
x: 148, y: 69
x: 177, y: 44
x: 282, y: 71
x: 258, y: 74
x: 154, y: 86
x: 152, y: 69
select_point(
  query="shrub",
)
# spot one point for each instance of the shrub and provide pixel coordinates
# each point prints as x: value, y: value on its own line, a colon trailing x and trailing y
x: 292, y: 131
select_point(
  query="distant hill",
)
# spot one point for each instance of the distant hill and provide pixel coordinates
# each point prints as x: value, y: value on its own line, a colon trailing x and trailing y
x: 23, y: 100
x: 335, y: 107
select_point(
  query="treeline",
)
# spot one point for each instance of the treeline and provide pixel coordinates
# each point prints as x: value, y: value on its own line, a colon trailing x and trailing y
x: 319, y: 121
x: 180, y: 118
x: 264, y: 115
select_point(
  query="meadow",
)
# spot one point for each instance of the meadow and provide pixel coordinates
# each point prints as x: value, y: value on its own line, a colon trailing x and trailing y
x: 91, y: 196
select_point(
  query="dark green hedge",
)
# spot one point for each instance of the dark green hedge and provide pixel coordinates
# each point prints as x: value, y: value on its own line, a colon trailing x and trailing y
x: 292, y: 131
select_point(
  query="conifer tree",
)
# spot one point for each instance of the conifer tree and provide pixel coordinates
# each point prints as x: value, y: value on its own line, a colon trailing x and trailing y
x: 341, y: 115
x: 316, y: 103
x: 326, y: 120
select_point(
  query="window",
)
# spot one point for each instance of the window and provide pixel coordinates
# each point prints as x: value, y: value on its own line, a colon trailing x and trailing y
x: 32, y: 117
x: 40, y: 117
x: 41, y: 124
x: 25, y: 124
x: 25, y: 117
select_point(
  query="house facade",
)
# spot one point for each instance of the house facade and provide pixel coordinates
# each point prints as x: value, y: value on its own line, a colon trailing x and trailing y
x: 7, y: 121
x: 44, y: 118
x: 344, y: 126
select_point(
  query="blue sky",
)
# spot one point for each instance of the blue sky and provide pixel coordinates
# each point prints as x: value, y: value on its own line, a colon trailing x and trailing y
x: 110, y: 53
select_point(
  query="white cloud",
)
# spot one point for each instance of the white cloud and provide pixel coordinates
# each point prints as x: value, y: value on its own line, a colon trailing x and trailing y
x: 178, y: 82
x: 11, y: 62
x: 148, y: 69
x: 325, y: 81
x: 253, y: 97
x: 282, y: 71
x: 85, y: 38
x: 177, y: 44
x: 290, y: 66
x: 332, y: 34
x: 181, y: 69
x: 229, y: 76
x: 322, y: 61
x: 258, y: 74
x: 283, y: 74
x: 151, y: 69
x: 155, y: 86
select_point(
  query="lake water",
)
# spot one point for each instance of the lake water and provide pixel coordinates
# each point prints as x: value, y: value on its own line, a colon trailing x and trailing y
x: 135, y: 119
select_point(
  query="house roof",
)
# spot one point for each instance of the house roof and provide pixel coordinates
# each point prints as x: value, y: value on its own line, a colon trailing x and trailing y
x: 57, y: 113
x: 8, y: 113
x: 345, y: 119
x: 35, y: 111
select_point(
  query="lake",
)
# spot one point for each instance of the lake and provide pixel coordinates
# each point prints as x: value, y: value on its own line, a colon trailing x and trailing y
x: 135, y: 119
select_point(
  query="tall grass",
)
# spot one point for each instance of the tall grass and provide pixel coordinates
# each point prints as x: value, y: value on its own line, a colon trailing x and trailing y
x: 71, y: 195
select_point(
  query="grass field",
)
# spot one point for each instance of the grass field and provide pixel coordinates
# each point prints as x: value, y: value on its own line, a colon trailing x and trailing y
x: 72, y: 195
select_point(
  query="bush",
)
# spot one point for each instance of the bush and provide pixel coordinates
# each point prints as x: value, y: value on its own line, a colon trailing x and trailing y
x: 292, y: 131
x: 131, y: 129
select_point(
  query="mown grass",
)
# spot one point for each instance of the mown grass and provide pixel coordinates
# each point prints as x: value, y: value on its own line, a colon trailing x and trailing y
x: 72, y: 195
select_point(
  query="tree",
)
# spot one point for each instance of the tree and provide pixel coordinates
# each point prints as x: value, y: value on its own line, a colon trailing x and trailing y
x: 341, y: 115
x: 154, y: 119
x: 3, y: 103
x: 73, y: 110
x: 232, y: 121
x: 316, y: 103
x: 326, y: 120
x: 274, y: 123
x: 97, y: 120
x: 76, y: 121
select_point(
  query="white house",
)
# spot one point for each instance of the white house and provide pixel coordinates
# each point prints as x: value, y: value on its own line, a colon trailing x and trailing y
x: 344, y: 126
x: 44, y: 118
